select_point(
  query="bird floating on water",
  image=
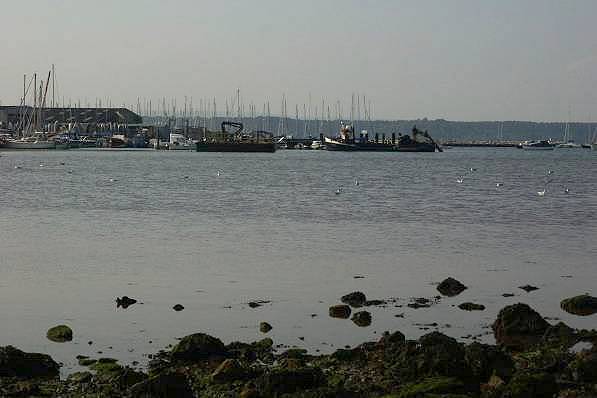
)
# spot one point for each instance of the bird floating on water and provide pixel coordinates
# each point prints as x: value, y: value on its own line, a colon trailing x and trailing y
x: 112, y: 179
x: 549, y: 172
x: 460, y: 180
x: 339, y: 191
x: 541, y: 193
x: 356, y: 182
x: 41, y: 165
x: 566, y: 190
x: 472, y: 169
x: 218, y: 173
x: 17, y: 167
x: 499, y: 184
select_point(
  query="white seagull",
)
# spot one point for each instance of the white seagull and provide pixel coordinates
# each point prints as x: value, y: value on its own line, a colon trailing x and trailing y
x: 460, y: 180
x: 566, y: 190
x: 218, y: 173
x: 339, y: 191
x: 356, y: 182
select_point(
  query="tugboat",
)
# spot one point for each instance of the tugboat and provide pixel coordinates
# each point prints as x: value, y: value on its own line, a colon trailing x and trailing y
x: 348, y: 142
x: 420, y: 141
x: 238, y: 140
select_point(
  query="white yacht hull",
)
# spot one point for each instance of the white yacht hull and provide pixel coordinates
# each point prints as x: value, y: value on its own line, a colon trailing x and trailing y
x: 28, y: 145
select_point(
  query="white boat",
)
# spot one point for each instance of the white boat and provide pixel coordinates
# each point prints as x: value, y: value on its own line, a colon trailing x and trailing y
x: 569, y: 145
x: 35, y: 142
x: 179, y: 142
x: 543, y: 145
x: 316, y: 145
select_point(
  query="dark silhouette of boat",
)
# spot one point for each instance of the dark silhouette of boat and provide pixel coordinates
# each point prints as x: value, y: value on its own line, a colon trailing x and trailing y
x: 237, y: 141
x: 419, y: 141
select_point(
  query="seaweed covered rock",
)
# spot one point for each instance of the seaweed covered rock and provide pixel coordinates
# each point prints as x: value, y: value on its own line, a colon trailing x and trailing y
x: 17, y: 363
x: 528, y: 384
x: 560, y: 333
x: 395, y: 338
x: 198, y: 346
x: 582, y: 305
x: 451, y: 287
x: 60, y: 334
x: 442, y: 386
x: 340, y: 311
x: 354, y: 299
x: 362, y: 318
x: 162, y: 385
x: 518, y: 326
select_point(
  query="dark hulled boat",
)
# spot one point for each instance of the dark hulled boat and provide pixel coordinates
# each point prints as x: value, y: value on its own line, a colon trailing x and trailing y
x: 419, y: 141
x: 238, y: 141
x: 348, y: 142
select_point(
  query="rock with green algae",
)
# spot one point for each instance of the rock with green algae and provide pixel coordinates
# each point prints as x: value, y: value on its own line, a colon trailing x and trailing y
x: 79, y: 377
x: 434, y: 354
x: 430, y: 387
x: 354, y: 299
x: 486, y: 360
x: 17, y: 363
x: 451, y: 287
x: 60, y: 334
x: 584, y: 367
x: 529, y: 384
x: 198, y: 346
x: 582, y: 305
x: 265, y: 327
x: 87, y: 361
x: 228, y: 371
x: 518, y: 327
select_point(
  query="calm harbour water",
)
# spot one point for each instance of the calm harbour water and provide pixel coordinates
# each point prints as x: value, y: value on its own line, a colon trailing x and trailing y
x: 164, y: 228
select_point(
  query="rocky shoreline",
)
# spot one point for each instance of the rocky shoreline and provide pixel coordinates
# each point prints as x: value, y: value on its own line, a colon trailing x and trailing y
x: 532, y: 358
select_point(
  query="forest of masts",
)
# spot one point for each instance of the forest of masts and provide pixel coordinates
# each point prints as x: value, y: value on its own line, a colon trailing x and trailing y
x: 310, y: 118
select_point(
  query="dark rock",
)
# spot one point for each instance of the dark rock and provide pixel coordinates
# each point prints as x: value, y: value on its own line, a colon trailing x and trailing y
x: 124, y: 302
x: 254, y: 304
x: 16, y: 363
x: 508, y: 295
x: 392, y: 338
x: 230, y: 370
x: 434, y: 354
x: 369, y: 303
x: 287, y: 381
x: 362, y: 318
x: 163, y: 385
x: 198, y: 346
x: 528, y: 288
x: 582, y: 305
x: 265, y: 327
x: 471, y: 307
x: 451, y: 287
x: 527, y: 384
x: 60, y: 334
x: 519, y: 326
x: 340, y: 311
x: 420, y: 302
x: 178, y: 307
x: 561, y: 333
x: 486, y: 360
x: 354, y: 299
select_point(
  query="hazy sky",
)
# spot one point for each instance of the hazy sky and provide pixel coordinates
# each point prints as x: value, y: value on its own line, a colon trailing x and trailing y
x: 456, y: 59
